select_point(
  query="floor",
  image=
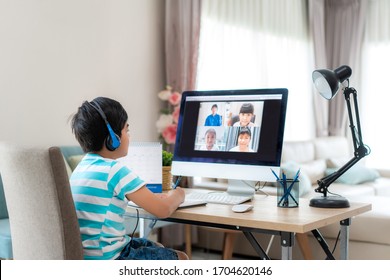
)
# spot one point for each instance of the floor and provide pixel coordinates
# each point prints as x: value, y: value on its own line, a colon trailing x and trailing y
x: 203, y: 254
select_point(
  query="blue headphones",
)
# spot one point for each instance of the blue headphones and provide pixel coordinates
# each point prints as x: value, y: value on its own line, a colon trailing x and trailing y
x: 113, y: 141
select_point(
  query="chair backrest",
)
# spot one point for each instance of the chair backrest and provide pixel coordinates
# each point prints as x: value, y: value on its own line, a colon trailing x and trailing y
x: 42, y: 215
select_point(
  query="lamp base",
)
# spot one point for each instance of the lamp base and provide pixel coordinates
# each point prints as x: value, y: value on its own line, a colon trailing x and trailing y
x: 329, y: 202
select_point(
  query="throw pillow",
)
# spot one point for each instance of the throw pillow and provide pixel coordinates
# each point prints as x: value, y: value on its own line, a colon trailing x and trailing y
x: 336, y: 162
x: 290, y: 169
x: 355, y: 175
x: 314, y: 169
x: 68, y: 169
x: 74, y: 161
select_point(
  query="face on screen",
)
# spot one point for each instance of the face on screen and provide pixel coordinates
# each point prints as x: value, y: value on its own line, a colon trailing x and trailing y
x: 229, y: 126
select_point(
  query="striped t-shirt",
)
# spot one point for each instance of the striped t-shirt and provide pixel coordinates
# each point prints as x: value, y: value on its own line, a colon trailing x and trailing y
x: 99, y: 186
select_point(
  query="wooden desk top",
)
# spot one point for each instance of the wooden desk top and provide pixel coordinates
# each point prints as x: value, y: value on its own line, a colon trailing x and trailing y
x: 266, y: 215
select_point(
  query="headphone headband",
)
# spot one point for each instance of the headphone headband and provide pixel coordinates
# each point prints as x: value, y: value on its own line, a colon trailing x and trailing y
x: 113, y: 141
x: 99, y: 110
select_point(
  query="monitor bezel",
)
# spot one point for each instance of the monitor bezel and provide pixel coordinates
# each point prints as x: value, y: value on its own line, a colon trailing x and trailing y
x: 214, y: 167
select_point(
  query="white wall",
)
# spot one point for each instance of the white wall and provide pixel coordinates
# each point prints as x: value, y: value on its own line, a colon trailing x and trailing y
x: 55, y: 54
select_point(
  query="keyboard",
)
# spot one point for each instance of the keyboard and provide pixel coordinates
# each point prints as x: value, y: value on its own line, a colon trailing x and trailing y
x: 218, y: 197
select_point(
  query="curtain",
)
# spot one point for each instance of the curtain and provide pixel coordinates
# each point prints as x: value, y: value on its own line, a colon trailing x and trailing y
x: 317, y: 30
x: 260, y: 44
x: 182, y: 28
x: 374, y: 93
x: 337, y: 31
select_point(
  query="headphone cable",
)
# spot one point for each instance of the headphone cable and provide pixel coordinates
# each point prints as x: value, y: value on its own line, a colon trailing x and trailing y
x: 135, y: 228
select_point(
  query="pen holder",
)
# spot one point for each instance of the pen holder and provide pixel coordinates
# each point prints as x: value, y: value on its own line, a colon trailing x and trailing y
x: 166, y: 178
x: 288, y: 193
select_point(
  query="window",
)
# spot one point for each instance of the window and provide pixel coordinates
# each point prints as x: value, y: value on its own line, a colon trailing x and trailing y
x: 375, y: 93
x: 260, y: 44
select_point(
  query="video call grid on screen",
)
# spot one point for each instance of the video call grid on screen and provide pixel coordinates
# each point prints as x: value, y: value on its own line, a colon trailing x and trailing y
x: 239, y: 127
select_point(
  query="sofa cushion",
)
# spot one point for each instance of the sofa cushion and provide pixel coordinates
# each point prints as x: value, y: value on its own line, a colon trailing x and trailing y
x: 68, y: 169
x: 69, y: 151
x: 74, y: 161
x: 372, y: 226
x: 5, y: 239
x: 3, y: 204
x: 381, y: 186
x: 332, y: 147
x: 315, y: 169
x: 355, y: 175
x: 336, y: 162
x: 350, y: 191
x: 299, y: 151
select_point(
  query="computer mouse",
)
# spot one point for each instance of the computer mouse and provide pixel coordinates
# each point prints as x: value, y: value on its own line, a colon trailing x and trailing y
x: 240, y: 208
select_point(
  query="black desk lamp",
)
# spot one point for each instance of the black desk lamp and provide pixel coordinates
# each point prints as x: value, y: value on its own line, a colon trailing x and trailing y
x: 327, y: 82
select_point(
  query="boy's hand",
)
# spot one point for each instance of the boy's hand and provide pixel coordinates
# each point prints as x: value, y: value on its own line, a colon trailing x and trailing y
x: 178, y: 192
x: 162, y: 195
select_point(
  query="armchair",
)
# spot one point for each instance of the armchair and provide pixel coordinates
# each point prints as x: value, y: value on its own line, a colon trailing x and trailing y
x: 40, y: 205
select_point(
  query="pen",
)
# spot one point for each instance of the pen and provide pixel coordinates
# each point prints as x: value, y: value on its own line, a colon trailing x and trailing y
x: 277, y: 177
x: 284, y: 181
x: 177, y: 182
x: 288, y: 191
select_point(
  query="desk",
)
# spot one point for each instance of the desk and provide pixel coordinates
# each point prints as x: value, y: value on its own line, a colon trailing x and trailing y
x: 266, y: 217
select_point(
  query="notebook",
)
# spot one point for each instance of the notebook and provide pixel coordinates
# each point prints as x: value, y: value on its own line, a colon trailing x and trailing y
x: 145, y: 159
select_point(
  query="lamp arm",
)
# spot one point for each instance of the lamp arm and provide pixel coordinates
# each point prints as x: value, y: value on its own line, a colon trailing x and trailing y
x: 360, y: 150
x: 356, y: 134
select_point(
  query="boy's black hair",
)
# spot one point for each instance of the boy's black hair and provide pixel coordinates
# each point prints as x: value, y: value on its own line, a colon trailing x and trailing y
x: 89, y: 127
x: 214, y: 105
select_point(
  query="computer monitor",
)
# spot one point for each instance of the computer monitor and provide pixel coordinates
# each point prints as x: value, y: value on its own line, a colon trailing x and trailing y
x: 231, y: 134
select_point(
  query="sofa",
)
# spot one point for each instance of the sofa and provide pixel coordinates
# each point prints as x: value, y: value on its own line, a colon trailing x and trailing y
x: 369, y: 232
x: 5, y: 231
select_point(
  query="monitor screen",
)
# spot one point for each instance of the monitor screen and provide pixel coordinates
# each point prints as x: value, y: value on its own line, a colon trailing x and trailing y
x: 232, y: 134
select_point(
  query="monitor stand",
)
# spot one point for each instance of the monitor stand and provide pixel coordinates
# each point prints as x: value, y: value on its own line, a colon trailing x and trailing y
x: 241, y: 187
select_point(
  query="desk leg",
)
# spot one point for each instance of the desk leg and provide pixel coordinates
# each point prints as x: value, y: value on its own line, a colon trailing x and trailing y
x: 344, y: 238
x: 287, y: 240
x: 188, y: 240
x: 304, y: 245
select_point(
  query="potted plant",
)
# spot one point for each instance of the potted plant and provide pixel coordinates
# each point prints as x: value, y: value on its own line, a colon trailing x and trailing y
x: 166, y: 169
x: 167, y: 158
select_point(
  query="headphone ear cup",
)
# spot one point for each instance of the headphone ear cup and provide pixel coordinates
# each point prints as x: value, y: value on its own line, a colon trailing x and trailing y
x: 113, y: 142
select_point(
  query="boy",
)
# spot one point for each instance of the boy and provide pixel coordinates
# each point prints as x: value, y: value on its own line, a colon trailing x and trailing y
x: 102, y: 186
x: 213, y: 119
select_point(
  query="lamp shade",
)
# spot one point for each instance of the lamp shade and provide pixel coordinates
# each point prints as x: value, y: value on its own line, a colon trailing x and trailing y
x: 327, y: 82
